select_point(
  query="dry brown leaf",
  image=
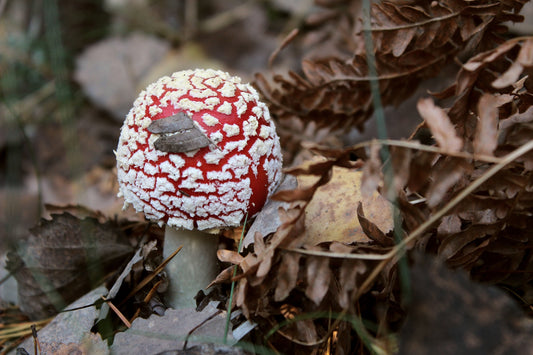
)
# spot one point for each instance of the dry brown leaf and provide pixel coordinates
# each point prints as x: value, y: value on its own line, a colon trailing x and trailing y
x: 420, y: 170
x: 62, y: 259
x: 224, y: 276
x: 350, y: 274
x: 113, y: 86
x: 477, y: 76
x: 265, y: 264
x: 524, y: 117
x: 371, y: 230
x: 454, y: 243
x: 288, y: 276
x: 440, y: 125
x: 486, y: 138
x: 491, y: 121
x: 331, y: 215
x: 228, y: 256
x: 318, y: 278
x: 401, y: 160
x: 372, y: 176
x: 511, y: 75
x: 449, y: 225
x: 446, y: 174
x: 412, y: 41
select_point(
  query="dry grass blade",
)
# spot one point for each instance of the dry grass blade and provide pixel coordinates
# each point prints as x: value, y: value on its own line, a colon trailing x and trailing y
x: 146, y: 299
x: 117, y: 312
x: 13, y: 334
x: 16, y: 330
x: 150, y: 277
x: 428, y: 148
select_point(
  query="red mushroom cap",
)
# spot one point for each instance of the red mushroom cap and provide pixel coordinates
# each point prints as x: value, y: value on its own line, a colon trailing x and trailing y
x: 213, y: 157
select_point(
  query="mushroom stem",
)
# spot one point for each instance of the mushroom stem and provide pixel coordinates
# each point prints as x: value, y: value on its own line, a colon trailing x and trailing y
x: 193, y: 268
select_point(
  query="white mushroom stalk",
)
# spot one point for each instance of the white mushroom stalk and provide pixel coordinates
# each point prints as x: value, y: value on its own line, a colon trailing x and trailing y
x: 198, y: 151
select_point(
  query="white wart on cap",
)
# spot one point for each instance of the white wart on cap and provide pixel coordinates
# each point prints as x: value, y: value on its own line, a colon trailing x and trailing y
x: 198, y: 150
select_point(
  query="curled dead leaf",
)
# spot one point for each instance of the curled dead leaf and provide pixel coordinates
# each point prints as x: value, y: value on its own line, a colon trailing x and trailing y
x: 371, y: 230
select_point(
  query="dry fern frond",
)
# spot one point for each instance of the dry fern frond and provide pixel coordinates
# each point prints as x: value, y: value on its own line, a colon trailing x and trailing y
x: 412, y: 42
x: 489, y: 233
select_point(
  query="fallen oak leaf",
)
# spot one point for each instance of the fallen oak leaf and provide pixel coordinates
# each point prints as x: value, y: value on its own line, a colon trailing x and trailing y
x: 479, y: 73
x: 319, y: 167
x: 451, y: 244
x: 264, y: 266
x: 296, y: 194
x: 264, y: 254
x: 77, y: 211
x: 331, y: 215
x: 477, y: 62
x: 62, y: 259
x: 248, y: 264
x: 401, y: 159
x: 225, y: 275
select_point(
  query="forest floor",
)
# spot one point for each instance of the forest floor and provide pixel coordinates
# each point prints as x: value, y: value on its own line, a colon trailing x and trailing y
x: 403, y: 224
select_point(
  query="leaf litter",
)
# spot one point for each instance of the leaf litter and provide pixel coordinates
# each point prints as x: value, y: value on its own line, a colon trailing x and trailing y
x: 471, y: 235
x: 306, y: 281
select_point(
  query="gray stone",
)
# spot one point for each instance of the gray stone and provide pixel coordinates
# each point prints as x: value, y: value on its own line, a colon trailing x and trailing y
x: 71, y: 328
x: 168, y: 333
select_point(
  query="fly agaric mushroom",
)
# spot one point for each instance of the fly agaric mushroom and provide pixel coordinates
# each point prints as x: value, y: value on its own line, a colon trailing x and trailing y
x: 199, y: 152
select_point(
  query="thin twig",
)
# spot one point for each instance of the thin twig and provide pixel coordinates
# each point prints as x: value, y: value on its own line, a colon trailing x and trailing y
x: 509, y: 158
x: 118, y: 312
x: 433, y: 149
x: 146, y: 299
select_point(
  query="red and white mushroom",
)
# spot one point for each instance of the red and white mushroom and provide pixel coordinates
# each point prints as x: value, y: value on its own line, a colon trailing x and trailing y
x: 198, y: 151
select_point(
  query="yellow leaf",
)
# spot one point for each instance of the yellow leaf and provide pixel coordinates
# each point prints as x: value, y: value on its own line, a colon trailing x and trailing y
x: 332, y: 213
